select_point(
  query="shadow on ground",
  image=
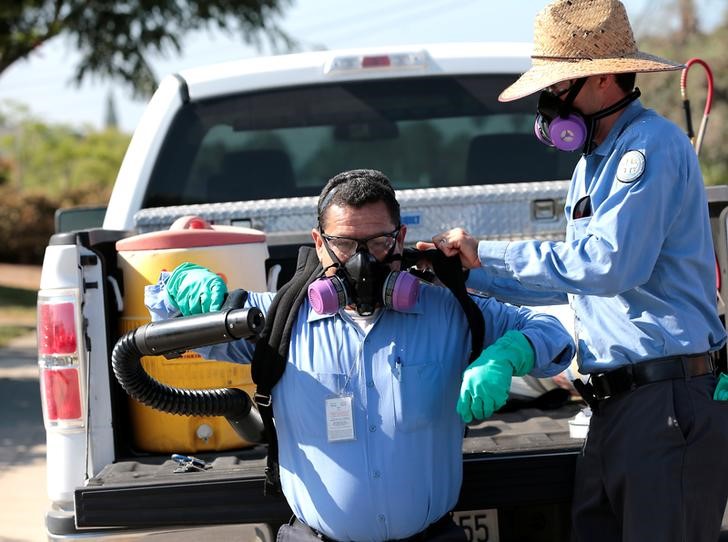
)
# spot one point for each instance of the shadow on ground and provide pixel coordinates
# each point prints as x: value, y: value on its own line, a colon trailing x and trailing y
x: 21, y: 425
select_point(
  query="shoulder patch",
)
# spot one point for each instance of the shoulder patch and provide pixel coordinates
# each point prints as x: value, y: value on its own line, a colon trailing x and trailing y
x: 631, y: 167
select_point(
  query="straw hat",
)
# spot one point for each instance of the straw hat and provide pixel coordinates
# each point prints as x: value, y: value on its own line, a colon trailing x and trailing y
x: 579, y: 38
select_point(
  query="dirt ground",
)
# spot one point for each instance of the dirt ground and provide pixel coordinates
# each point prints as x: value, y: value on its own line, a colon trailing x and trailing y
x: 20, y: 276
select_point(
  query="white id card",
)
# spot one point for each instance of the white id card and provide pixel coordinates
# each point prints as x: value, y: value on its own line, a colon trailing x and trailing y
x: 339, y: 418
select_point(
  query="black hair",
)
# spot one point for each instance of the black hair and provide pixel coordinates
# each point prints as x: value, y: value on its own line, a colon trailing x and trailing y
x: 625, y: 81
x: 357, y: 188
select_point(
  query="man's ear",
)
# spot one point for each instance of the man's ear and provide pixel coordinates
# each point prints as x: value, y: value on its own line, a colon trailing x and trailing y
x: 401, y: 236
x: 318, y: 242
x: 606, y: 80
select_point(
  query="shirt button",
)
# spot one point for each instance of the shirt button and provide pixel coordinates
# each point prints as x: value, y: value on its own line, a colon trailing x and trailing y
x: 381, y: 517
x: 376, y: 474
x: 370, y: 384
x: 372, y: 428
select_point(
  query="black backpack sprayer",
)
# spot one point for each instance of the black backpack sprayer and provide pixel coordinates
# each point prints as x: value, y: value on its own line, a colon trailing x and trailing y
x: 168, y: 338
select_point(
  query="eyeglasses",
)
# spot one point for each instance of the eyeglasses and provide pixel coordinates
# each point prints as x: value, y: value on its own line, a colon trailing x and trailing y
x: 378, y: 245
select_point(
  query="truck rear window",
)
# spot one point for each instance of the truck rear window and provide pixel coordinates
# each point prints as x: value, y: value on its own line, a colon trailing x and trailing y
x: 422, y: 132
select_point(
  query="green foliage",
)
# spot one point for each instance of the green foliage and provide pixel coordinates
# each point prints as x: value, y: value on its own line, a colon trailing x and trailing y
x: 28, y: 219
x: 17, y: 312
x: 8, y: 333
x: 17, y: 297
x: 662, y: 91
x: 115, y: 38
x: 57, y: 158
x: 26, y: 225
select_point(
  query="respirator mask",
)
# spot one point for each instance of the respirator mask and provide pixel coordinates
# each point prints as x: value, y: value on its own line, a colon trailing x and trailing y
x: 558, y: 124
x: 363, y: 281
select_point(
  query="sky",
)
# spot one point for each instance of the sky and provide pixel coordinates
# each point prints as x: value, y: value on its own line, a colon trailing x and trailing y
x: 43, y: 81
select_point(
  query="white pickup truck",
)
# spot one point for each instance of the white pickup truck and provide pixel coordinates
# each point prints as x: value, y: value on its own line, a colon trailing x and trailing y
x: 249, y: 144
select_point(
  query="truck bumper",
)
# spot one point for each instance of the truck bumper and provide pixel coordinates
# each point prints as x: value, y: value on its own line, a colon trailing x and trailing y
x: 61, y: 527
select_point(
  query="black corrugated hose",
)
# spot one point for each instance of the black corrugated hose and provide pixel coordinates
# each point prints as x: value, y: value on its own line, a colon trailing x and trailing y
x: 185, y: 333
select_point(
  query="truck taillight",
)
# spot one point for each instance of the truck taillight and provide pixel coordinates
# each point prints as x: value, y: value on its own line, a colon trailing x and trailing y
x: 59, y: 359
x: 61, y: 391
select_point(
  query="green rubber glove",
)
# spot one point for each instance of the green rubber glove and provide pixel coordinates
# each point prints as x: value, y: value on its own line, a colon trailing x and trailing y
x: 487, y: 380
x: 194, y: 289
x: 721, y: 390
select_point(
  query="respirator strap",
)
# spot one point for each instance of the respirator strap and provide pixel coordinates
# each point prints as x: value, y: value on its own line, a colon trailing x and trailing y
x: 567, y: 104
x: 594, y: 117
x: 271, y: 352
x: 450, y: 271
x: 616, y: 106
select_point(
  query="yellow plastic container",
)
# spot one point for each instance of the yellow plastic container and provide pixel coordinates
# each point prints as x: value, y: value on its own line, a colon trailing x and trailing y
x: 238, y: 255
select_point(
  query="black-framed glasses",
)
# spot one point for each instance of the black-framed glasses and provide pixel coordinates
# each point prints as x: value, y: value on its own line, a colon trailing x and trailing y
x: 378, y: 245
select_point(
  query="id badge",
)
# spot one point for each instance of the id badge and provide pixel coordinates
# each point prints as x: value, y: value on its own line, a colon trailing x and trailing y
x: 339, y: 418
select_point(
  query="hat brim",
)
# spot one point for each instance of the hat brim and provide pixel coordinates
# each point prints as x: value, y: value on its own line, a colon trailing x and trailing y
x: 547, y: 72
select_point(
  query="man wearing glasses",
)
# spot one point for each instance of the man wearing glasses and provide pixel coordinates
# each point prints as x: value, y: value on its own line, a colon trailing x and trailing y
x: 370, y: 439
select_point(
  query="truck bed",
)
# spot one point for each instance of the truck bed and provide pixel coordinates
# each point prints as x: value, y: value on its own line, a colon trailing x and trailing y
x: 530, y: 449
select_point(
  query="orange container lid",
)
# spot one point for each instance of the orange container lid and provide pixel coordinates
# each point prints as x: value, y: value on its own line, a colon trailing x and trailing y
x: 191, y: 232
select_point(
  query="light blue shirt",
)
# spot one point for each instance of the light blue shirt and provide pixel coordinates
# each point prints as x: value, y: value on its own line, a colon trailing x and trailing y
x: 640, y: 271
x: 403, y: 471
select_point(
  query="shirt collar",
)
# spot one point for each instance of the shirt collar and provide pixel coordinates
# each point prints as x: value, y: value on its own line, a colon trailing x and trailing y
x: 628, y: 115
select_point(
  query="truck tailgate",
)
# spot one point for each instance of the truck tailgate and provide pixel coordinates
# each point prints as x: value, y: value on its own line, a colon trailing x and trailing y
x: 514, y: 458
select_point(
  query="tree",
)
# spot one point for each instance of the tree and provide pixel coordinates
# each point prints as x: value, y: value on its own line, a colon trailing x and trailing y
x: 56, y: 158
x: 115, y: 38
x: 662, y: 91
x: 688, y: 20
x: 110, y: 119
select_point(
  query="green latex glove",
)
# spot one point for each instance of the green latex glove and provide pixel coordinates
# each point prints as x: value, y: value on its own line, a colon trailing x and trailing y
x: 721, y: 390
x: 194, y: 289
x: 487, y: 380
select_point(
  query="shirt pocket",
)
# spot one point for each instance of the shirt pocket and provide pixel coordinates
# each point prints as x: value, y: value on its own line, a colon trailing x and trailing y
x: 416, y: 390
x: 577, y: 228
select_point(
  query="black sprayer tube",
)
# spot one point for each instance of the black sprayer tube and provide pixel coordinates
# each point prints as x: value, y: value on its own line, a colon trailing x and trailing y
x: 185, y: 333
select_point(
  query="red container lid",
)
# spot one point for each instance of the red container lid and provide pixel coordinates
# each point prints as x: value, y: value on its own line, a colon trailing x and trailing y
x: 191, y: 232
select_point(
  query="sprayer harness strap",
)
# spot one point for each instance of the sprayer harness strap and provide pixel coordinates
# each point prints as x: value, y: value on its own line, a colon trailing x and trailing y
x: 450, y: 271
x: 271, y: 351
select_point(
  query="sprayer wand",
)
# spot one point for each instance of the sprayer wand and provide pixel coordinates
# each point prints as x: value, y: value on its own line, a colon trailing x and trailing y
x: 696, y: 141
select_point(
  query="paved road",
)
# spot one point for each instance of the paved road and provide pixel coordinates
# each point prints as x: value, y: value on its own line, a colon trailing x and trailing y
x: 23, y: 498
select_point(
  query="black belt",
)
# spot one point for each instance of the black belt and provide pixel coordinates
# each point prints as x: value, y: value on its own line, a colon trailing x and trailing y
x: 428, y: 531
x: 630, y: 377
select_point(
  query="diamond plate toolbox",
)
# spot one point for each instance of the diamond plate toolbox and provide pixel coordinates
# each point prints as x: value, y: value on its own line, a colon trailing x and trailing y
x: 503, y: 211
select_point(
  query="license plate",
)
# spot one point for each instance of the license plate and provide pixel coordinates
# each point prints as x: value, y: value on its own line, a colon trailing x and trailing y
x: 479, y: 525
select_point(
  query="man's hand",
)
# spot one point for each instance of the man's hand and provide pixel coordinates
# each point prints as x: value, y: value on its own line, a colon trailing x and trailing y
x: 194, y: 289
x: 455, y: 241
x: 487, y: 380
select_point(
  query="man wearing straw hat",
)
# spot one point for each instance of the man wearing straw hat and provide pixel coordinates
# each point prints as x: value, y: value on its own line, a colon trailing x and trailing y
x: 638, y: 268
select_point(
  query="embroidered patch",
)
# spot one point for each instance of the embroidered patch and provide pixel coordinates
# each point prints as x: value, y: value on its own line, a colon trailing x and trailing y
x: 631, y: 167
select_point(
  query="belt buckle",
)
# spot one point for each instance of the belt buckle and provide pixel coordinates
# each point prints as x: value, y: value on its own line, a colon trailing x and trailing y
x: 611, y: 383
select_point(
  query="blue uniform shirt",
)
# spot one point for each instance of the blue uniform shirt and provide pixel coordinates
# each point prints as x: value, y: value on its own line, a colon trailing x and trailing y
x: 637, y: 263
x: 404, y: 469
